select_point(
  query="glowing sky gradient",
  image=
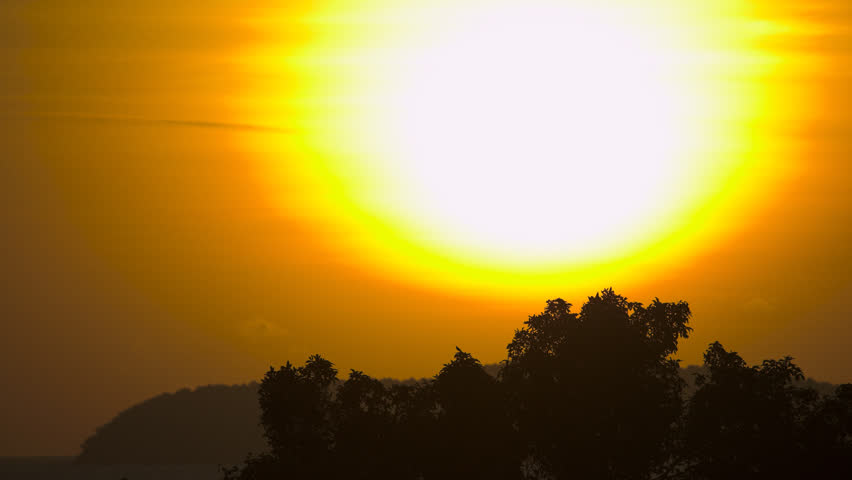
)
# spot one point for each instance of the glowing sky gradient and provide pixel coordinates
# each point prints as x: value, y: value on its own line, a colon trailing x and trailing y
x: 193, y: 191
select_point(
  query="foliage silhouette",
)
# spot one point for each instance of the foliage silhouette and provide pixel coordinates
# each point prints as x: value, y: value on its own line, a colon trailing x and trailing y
x: 474, y: 434
x: 594, y: 394
x: 754, y: 422
x: 296, y: 411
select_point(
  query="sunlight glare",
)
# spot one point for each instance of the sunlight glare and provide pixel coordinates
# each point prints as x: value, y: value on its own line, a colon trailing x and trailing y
x: 470, y: 141
x: 533, y: 132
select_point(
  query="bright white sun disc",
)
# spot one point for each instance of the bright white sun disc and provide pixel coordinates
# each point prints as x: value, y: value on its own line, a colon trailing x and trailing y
x: 530, y: 132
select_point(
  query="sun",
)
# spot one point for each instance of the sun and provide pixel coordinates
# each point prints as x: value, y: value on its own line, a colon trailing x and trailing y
x: 486, y: 139
x: 531, y: 131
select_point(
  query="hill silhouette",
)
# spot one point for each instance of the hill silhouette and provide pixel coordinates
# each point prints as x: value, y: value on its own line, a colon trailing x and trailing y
x: 214, y: 424
x: 220, y: 424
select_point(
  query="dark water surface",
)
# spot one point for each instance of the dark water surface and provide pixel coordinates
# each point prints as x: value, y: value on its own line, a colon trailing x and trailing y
x: 63, y: 468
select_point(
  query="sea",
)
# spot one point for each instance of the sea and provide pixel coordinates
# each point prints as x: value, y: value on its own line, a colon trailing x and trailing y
x: 64, y: 468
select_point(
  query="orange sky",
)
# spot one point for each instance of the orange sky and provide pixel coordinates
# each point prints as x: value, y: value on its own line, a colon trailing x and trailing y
x: 147, y: 245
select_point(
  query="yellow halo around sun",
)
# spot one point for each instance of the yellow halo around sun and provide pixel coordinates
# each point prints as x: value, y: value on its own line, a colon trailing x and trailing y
x: 473, y: 141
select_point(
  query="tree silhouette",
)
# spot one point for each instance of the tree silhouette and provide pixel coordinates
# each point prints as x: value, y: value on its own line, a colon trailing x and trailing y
x: 366, y: 430
x: 475, y: 438
x: 295, y: 408
x: 828, y: 435
x: 754, y: 422
x: 594, y: 394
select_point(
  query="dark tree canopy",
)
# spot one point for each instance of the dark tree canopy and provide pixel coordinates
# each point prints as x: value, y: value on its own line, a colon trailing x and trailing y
x: 474, y: 433
x: 594, y: 394
x: 295, y: 406
x: 754, y: 422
